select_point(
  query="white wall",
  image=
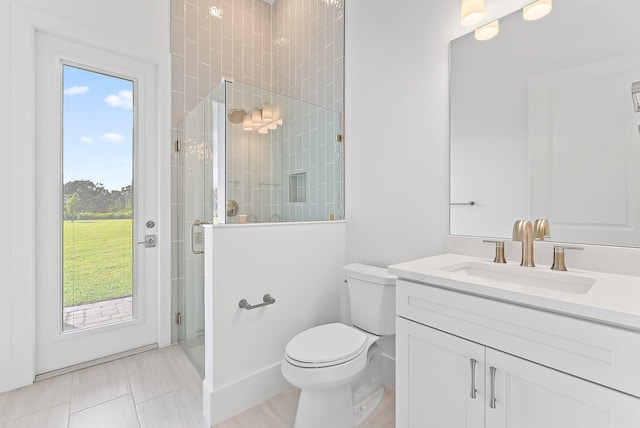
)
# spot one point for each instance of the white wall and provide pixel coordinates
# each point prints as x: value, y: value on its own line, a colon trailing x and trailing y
x: 397, y: 129
x: 300, y: 265
x: 396, y: 132
x: 144, y: 22
x: 396, y: 146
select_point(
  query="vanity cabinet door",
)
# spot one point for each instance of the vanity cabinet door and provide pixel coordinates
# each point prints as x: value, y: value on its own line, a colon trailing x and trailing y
x: 528, y: 395
x: 434, y: 379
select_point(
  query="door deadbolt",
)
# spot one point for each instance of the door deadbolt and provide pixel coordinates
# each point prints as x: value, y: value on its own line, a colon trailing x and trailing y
x: 150, y: 224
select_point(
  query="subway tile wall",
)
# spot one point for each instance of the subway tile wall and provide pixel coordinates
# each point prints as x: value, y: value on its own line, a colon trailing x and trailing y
x: 308, y: 61
x: 293, y: 47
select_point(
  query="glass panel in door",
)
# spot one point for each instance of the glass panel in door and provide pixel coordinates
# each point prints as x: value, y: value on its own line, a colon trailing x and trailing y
x: 198, y: 183
x: 97, y: 226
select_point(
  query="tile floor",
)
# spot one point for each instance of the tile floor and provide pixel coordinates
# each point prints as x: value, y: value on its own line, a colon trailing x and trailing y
x: 158, y: 388
x: 280, y: 412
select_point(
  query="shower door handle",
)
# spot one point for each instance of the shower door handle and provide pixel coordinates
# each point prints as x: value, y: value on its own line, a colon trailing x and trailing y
x: 193, y: 236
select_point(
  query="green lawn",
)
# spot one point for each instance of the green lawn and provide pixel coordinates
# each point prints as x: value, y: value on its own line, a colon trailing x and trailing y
x: 97, y: 260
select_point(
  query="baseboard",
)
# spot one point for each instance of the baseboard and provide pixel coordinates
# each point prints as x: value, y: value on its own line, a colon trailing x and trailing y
x: 389, y: 371
x: 226, y: 401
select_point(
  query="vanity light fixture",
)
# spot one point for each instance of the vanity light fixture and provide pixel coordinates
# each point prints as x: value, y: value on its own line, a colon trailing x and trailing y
x: 256, y: 118
x: 536, y: 10
x: 635, y: 95
x: 471, y: 12
x: 267, y: 113
x: 247, y: 123
x: 488, y: 31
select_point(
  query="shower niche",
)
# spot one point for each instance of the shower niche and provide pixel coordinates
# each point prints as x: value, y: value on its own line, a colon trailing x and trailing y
x: 249, y: 155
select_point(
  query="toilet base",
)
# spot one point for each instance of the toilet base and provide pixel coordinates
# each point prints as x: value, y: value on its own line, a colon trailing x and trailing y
x: 325, y: 408
x: 363, y: 411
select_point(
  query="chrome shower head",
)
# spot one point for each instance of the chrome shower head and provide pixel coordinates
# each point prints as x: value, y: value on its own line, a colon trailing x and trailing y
x: 236, y: 115
x: 635, y: 95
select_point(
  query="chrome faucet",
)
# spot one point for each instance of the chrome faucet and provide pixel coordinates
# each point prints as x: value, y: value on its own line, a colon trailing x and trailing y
x: 523, y: 232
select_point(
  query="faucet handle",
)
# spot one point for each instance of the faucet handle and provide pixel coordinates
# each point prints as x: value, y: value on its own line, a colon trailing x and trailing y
x: 541, y: 229
x: 499, y: 257
x: 558, y: 256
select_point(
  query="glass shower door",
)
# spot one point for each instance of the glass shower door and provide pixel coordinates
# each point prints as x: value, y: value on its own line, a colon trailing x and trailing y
x: 198, y: 136
x: 191, y: 189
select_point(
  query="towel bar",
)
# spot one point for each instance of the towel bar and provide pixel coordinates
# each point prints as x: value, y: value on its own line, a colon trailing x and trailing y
x: 267, y: 299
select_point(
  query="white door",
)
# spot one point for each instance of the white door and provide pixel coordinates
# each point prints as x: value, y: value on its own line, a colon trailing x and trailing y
x: 440, y: 378
x: 529, y: 395
x: 96, y: 192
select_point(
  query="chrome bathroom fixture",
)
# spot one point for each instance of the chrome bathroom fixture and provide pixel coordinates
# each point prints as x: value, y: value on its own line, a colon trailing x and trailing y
x: 232, y: 208
x: 267, y: 299
x: 236, y: 115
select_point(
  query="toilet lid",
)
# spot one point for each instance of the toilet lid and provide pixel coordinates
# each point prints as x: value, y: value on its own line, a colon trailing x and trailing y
x: 326, y: 345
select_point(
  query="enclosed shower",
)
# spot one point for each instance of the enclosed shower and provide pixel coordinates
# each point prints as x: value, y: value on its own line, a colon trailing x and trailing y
x: 249, y: 157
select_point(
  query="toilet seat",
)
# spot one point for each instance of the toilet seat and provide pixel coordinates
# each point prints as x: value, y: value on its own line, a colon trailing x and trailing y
x: 326, y: 345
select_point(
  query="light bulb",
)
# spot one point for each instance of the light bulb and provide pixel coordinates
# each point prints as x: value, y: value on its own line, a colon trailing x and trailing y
x: 536, y: 10
x: 488, y: 31
x: 267, y: 113
x: 247, y: 124
x: 471, y: 12
x: 256, y: 118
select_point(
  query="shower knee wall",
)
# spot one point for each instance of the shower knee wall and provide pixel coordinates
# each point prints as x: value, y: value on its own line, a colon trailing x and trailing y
x: 298, y: 264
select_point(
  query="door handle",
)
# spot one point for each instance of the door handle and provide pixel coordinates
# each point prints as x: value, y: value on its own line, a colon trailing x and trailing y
x: 149, y: 241
x: 492, y: 396
x: 474, y: 391
x: 193, y: 237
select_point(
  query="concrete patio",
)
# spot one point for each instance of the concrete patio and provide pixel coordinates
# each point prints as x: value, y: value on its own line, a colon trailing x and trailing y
x: 98, y: 313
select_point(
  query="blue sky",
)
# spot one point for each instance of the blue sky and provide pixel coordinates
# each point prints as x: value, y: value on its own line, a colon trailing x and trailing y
x: 97, y: 128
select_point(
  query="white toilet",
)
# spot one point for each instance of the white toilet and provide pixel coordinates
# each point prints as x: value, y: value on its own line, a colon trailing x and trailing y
x: 338, y: 367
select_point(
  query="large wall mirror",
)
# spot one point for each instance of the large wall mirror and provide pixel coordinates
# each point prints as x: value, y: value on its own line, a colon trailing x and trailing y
x: 543, y: 125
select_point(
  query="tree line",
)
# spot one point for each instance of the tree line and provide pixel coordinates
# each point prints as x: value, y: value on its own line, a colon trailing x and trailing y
x: 86, y: 200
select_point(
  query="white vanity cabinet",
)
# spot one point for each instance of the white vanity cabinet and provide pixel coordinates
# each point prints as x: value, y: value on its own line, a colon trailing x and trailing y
x: 541, y: 368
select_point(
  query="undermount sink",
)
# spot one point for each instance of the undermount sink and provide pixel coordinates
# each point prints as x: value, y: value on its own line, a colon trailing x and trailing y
x: 529, y: 277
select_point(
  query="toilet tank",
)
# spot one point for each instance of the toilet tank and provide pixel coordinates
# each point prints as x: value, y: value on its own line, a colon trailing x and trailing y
x: 372, y: 294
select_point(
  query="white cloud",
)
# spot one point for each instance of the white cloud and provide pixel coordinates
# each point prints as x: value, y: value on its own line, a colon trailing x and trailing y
x: 75, y: 90
x: 111, y: 137
x: 86, y: 140
x: 124, y: 99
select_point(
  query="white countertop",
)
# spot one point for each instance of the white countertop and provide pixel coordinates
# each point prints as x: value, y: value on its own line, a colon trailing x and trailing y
x: 612, y: 299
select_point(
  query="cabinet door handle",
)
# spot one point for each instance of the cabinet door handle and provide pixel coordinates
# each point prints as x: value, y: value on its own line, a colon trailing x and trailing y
x: 492, y: 397
x: 473, y: 378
